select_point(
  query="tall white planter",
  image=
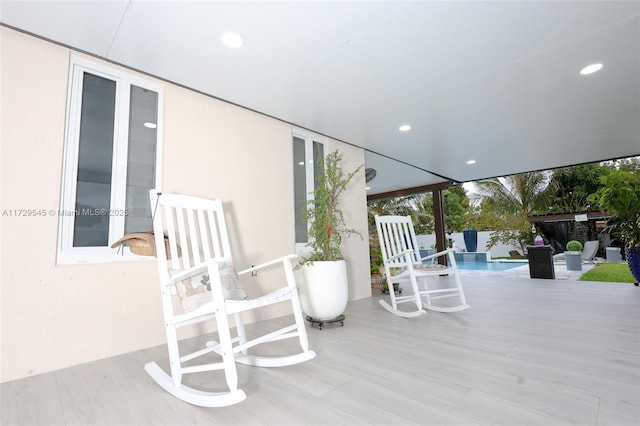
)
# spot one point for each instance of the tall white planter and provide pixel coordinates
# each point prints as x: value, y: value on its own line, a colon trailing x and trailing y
x: 323, y: 289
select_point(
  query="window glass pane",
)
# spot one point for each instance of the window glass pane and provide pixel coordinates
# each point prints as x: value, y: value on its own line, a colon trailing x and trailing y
x: 300, y: 188
x: 141, y: 158
x: 93, y: 191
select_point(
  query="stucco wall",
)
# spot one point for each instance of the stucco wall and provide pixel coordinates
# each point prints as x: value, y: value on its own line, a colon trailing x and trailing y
x: 53, y: 316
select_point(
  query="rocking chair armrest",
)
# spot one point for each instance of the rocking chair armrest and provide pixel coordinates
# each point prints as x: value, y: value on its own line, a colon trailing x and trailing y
x: 282, y: 259
x: 399, y: 255
x: 438, y: 254
x: 192, y: 272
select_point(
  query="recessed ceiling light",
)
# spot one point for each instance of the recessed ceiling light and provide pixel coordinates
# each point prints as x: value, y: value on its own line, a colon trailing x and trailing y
x: 404, y: 128
x: 590, y: 69
x: 367, y: 188
x: 471, y: 162
x: 232, y: 40
x: 150, y: 125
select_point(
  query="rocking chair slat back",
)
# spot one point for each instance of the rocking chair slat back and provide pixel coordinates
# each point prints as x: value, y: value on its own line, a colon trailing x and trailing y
x: 403, y: 264
x: 399, y: 236
x: 195, y: 234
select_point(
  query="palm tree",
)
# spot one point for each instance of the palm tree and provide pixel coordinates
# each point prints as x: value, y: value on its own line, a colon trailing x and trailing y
x: 422, y: 214
x: 390, y: 206
x: 514, y: 198
x: 521, y: 194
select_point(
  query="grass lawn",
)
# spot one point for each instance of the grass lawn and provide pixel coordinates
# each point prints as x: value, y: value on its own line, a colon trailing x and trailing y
x: 613, y: 272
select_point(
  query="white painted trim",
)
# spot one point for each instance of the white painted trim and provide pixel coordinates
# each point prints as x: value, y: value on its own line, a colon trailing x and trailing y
x: 309, y: 138
x: 66, y: 253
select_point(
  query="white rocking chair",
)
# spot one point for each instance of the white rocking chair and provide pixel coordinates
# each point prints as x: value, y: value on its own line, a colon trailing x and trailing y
x: 403, y: 264
x: 195, y: 265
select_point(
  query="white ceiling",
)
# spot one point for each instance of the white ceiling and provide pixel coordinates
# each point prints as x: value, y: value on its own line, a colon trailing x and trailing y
x: 497, y: 82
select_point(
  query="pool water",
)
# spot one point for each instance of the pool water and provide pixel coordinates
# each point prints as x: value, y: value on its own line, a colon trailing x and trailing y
x: 489, y: 266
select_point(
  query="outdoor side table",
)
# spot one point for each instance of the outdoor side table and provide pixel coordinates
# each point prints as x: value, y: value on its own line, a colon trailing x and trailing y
x: 541, y: 262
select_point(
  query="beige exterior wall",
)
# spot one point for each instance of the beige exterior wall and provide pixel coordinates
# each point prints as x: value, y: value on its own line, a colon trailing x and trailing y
x: 54, y: 316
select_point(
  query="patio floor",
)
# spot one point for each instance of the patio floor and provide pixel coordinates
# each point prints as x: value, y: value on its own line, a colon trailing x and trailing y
x: 528, y: 352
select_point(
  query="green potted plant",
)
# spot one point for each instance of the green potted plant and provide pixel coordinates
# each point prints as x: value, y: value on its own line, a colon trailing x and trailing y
x: 620, y: 195
x: 573, y: 255
x: 375, y: 261
x: 323, y: 288
x: 378, y: 276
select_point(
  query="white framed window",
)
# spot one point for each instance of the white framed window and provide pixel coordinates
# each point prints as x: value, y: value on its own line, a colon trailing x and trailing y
x: 111, y: 160
x: 308, y: 153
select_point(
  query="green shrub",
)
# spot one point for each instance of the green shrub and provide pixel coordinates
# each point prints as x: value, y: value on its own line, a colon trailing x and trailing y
x: 574, y: 245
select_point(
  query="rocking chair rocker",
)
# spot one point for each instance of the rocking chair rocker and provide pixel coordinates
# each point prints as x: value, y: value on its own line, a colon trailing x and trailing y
x: 197, y: 268
x: 403, y: 264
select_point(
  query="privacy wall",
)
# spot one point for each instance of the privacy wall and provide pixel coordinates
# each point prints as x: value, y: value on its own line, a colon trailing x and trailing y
x: 54, y: 316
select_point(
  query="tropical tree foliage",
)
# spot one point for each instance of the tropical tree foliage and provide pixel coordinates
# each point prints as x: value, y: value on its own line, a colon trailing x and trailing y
x: 401, y: 206
x: 521, y: 194
x: 620, y: 195
x: 455, y: 207
x: 570, y: 187
x: 422, y: 216
x: 512, y: 199
x: 631, y: 165
x: 483, y: 217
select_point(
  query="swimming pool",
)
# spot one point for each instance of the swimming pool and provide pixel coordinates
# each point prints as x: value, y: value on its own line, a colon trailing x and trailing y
x: 489, y: 266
